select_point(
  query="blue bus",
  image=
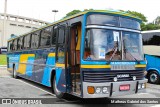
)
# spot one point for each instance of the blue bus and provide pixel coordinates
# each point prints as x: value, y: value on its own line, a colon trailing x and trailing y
x: 152, y: 54
x: 93, y: 54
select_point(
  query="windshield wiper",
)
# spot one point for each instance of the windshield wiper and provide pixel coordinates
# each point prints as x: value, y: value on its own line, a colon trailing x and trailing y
x: 115, y: 50
x: 126, y: 50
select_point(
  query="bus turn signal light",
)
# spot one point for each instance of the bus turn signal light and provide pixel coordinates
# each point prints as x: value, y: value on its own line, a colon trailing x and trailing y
x: 90, y: 89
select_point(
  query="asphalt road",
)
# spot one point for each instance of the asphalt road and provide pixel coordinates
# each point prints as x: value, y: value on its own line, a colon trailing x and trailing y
x: 21, y: 88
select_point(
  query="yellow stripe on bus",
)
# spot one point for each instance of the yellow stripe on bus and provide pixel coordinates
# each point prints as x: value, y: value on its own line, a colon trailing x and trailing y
x: 140, y: 66
x: 95, y: 66
x: 107, y: 66
x: 51, y: 54
x: 23, y: 60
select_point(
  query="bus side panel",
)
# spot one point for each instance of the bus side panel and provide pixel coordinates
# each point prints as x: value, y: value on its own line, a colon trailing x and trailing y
x: 152, y: 62
x: 13, y: 59
x: 48, y: 69
x: 25, y: 65
x: 61, y: 79
x: 29, y: 68
x: 157, y: 64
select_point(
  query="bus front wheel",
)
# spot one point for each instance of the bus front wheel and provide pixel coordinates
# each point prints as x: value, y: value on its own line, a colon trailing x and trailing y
x: 153, y: 77
x: 58, y: 93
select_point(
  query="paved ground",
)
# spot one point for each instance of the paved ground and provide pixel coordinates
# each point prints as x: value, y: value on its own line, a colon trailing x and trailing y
x: 21, y: 88
x: 3, y: 71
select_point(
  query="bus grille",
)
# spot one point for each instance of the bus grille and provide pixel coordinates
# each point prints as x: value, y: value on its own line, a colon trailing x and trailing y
x: 108, y: 76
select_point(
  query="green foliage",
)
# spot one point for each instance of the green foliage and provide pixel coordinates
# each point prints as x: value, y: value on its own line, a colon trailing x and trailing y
x: 137, y: 14
x: 3, y: 60
x: 150, y: 26
x: 157, y: 20
x: 72, y: 13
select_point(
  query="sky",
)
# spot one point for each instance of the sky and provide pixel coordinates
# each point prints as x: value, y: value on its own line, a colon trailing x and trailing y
x: 42, y: 9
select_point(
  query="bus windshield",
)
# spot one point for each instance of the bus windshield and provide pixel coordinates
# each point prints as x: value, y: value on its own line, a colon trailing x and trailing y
x: 132, y: 45
x: 102, y: 44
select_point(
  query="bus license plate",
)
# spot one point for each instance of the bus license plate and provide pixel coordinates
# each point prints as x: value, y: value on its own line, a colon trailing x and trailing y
x: 124, y: 87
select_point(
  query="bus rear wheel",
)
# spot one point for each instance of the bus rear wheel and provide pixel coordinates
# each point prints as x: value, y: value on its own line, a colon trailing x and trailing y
x: 58, y: 93
x: 153, y: 77
x: 14, y: 73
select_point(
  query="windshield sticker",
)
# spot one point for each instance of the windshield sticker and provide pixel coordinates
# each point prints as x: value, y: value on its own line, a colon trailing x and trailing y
x: 102, y: 53
x: 116, y: 35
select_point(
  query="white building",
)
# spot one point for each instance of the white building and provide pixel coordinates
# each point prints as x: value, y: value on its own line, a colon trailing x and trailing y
x: 16, y: 25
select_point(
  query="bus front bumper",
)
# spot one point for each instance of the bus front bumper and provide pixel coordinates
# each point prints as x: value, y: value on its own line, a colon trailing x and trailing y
x: 113, y: 89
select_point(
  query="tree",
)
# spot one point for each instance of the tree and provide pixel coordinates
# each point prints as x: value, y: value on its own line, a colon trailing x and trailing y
x: 139, y: 15
x: 72, y: 13
x: 157, y: 20
x: 150, y: 26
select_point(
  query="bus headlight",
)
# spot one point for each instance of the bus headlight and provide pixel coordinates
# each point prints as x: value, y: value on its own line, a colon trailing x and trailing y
x: 105, y: 90
x: 139, y: 86
x: 143, y: 85
x: 98, y: 90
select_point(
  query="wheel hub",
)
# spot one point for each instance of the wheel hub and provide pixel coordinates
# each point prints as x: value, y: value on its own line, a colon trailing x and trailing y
x: 153, y: 77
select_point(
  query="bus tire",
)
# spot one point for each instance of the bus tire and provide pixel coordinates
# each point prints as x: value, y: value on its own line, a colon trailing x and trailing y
x: 14, y: 73
x: 56, y: 91
x: 153, y: 77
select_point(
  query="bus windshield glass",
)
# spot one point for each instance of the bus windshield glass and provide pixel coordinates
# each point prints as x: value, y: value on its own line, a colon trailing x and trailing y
x: 107, y: 20
x: 102, y: 20
x: 132, y: 46
x: 102, y: 44
x: 129, y: 23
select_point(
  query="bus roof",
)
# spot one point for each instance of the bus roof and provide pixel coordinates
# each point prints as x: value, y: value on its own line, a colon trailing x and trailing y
x: 113, y: 12
x: 151, y: 31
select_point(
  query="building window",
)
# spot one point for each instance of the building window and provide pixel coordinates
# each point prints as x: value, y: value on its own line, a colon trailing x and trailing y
x: 13, y: 24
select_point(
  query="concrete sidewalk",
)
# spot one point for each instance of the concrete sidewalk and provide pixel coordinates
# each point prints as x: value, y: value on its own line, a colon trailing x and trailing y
x: 4, y: 72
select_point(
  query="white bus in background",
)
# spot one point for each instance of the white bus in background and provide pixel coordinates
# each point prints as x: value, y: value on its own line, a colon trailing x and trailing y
x: 3, y: 50
x: 151, y: 45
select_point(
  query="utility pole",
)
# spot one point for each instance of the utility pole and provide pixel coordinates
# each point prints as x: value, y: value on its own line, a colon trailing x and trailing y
x: 4, y: 24
x: 55, y: 11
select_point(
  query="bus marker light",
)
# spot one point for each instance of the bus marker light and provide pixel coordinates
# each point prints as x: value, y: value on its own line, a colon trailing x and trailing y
x: 134, y: 78
x: 90, y: 89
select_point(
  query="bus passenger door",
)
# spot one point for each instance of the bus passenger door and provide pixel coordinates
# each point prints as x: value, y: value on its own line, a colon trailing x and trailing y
x: 61, y: 58
x: 74, y: 57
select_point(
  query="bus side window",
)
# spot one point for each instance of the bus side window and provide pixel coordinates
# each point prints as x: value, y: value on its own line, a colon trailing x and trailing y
x: 19, y: 46
x: 27, y: 41
x: 61, y: 36
x: 11, y: 46
x: 35, y: 39
x: 15, y: 45
x: 54, y: 36
x: 61, y: 41
x: 45, y: 37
